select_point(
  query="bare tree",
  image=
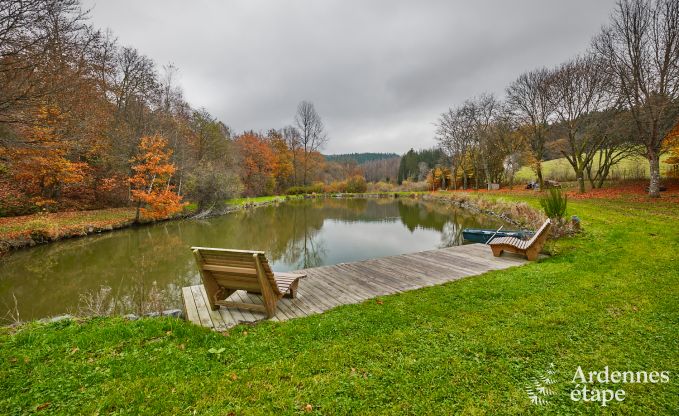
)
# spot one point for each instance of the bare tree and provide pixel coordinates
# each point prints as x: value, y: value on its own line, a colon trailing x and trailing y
x: 43, y: 44
x: 577, y: 89
x: 311, y: 133
x: 641, y: 48
x: 483, y: 111
x: 455, y: 134
x: 527, y: 100
x: 614, y: 130
x: 509, y: 142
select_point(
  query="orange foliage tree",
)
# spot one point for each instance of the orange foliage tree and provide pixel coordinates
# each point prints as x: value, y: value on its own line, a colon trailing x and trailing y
x: 439, y: 178
x: 42, y: 166
x: 150, y: 184
x: 672, y: 146
x: 283, y: 167
x: 258, y: 163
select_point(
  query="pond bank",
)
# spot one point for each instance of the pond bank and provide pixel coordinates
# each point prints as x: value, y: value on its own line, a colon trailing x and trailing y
x: 31, y: 230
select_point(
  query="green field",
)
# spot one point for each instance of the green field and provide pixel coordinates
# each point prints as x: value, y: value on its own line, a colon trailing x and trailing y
x: 633, y: 167
x: 607, y: 297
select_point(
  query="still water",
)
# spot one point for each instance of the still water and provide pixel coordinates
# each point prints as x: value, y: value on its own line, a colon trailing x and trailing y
x: 51, y: 279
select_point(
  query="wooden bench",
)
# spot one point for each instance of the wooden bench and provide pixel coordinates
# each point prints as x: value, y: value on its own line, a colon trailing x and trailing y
x: 224, y: 271
x: 530, y: 248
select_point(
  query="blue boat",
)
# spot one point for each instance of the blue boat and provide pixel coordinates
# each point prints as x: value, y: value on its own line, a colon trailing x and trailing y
x: 477, y: 235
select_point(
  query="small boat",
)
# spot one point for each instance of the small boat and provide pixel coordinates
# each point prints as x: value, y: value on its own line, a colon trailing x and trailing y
x: 476, y: 235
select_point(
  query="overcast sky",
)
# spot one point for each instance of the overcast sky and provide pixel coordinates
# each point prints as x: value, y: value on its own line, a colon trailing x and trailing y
x: 378, y: 72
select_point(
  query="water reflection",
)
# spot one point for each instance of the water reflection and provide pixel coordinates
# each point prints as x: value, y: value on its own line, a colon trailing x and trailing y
x: 48, y: 280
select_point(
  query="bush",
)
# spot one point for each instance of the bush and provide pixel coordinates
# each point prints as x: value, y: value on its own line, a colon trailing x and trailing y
x: 381, y: 187
x: 356, y: 185
x: 554, y: 204
x: 408, y: 186
x: 316, y: 188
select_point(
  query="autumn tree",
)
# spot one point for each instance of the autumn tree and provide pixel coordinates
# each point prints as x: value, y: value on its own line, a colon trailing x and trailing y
x: 671, y: 145
x: 257, y: 164
x: 42, y: 165
x: 150, y: 184
x: 283, y: 163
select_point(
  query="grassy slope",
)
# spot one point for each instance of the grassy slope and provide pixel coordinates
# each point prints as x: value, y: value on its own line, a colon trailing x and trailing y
x: 632, y: 167
x: 609, y: 297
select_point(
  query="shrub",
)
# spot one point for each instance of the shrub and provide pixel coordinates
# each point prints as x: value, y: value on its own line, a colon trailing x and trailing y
x: 356, y: 185
x: 316, y: 188
x: 554, y: 204
x: 381, y: 187
x: 408, y: 186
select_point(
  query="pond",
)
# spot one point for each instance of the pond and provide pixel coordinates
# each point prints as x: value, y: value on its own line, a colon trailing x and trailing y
x: 135, y: 264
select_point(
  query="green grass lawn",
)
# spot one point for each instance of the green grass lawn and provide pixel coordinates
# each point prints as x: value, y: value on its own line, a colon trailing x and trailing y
x: 608, y: 297
x: 633, y: 167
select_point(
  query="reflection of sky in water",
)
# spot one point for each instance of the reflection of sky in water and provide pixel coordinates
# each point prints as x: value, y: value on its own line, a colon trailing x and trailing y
x: 49, y: 279
x: 376, y: 239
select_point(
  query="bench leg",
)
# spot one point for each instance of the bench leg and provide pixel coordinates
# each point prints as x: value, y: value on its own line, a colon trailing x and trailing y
x: 292, y: 290
x: 497, y: 250
x: 532, y: 254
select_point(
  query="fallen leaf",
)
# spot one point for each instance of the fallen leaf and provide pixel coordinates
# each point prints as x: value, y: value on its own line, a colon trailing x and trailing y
x: 27, y: 360
x: 245, y: 333
x: 168, y: 333
x: 379, y: 302
x: 308, y: 408
x: 74, y: 350
x: 13, y: 360
x: 43, y: 406
x: 234, y: 377
x: 181, y: 347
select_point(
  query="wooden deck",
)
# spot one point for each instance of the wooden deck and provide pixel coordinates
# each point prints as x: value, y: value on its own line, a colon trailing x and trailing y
x: 330, y: 286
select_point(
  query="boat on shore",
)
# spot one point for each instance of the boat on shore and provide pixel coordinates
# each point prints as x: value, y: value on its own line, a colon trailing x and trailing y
x: 477, y: 235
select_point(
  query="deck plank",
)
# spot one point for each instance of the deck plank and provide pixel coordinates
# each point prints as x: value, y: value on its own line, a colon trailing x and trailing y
x: 190, y: 305
x: 327, y: 287
x: 202, y: 307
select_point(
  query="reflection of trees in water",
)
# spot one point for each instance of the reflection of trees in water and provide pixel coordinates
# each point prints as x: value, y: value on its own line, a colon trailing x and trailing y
x: 304, y: 249
x: 48, y: 279
x: 414, y: 215
x: 451, y: 235
x: 448, y: 220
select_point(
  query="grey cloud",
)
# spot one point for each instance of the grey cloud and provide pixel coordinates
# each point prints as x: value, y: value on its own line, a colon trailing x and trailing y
x: 379, y: 72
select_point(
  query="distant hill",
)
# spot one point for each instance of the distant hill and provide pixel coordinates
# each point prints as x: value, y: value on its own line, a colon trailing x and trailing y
x: 360, y: 158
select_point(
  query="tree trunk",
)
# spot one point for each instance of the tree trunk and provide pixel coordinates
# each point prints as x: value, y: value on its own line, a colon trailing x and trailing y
x: 654, y: 186
x: 538, y: 170
x: 581, y: 182
x: 137, y: 215
x: 304, y: 167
